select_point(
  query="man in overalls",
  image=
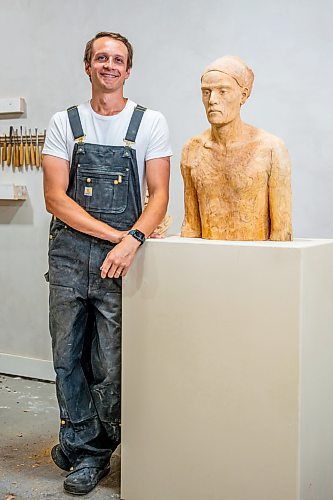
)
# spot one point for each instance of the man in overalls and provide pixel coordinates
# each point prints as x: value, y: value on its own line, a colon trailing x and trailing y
x: 97, y: 159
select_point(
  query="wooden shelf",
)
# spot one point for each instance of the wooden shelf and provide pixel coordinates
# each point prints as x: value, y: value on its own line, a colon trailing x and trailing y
x: 13, y: 192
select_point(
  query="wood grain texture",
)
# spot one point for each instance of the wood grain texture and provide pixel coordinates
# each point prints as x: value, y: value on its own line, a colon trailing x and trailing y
x: 236, y: 177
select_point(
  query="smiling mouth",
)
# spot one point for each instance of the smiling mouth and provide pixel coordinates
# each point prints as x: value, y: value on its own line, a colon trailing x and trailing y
x: 109, y: 75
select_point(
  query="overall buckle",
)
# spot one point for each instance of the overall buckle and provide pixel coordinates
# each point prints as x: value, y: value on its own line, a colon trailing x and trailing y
x: 128, y: 143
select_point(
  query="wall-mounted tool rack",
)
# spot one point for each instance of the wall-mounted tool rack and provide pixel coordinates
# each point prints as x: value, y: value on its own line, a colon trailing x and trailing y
x: 18, y: 149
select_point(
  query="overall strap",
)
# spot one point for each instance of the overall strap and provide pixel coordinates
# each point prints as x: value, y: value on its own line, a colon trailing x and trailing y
x: 75, y: 122
x: 134, y: 125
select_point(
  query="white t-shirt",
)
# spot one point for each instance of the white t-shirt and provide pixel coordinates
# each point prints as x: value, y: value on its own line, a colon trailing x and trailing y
x: 152, y: 140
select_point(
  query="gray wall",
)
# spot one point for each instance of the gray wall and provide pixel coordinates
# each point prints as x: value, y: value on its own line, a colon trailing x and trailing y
x: 288, y: 44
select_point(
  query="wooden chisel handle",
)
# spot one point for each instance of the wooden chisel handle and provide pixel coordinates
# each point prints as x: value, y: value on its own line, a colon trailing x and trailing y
x: 16, y: 155
x: 26, y: 154
x: 21, y: 154
x: 9, y: 155
x: 4, y: 151
x: 32, y: 155
x: 37, y: 156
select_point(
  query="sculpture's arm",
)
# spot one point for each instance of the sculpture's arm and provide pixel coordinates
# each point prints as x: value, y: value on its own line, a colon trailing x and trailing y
x: 280, y: 194
x: 191, y: 227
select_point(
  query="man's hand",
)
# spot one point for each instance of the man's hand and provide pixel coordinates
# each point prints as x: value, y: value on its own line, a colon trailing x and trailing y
x: 117, y: 236
x: 118, y: 260
x: 157, y: 236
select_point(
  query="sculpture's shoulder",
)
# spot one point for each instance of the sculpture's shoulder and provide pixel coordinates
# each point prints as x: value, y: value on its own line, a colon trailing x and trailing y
x: 192, y: 147
x: 275, y: 146
x: 269, y: 140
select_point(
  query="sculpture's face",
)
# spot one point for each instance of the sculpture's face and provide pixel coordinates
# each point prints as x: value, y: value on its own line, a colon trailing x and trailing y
x: 222, y: 97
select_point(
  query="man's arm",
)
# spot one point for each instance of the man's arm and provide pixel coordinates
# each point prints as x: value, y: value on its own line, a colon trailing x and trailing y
x: 56, y: 178
x: 280, y: 194
x: 191, y: 227
x: 119, y: 259
x: 158, y: 174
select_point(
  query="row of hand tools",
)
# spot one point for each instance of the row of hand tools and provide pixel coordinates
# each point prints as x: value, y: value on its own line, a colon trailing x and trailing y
x: 18, y: 149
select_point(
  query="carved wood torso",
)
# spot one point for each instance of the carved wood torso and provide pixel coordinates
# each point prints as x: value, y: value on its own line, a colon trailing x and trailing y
x: 227, y: 191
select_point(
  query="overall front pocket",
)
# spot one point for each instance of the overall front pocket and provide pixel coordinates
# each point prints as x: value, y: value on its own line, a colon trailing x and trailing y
x: 102, y: 188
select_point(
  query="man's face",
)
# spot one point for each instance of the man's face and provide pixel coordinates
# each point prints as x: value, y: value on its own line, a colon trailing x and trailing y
x: 221, y: 96
x: 107, y: 68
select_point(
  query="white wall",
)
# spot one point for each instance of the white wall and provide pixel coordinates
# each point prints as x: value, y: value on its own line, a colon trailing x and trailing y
x: 288, y: 44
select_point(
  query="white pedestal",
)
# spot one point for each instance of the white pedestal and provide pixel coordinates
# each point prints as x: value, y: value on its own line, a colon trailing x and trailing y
x: 228, y: 371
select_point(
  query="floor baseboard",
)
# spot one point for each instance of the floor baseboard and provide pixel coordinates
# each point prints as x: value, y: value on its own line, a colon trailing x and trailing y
x: 11, y: 364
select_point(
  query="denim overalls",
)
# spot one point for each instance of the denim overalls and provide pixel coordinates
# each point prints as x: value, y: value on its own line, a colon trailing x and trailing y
x: 85, y: 310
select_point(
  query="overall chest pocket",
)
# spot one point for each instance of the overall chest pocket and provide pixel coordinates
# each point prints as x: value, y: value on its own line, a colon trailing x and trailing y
x: 102, y: 188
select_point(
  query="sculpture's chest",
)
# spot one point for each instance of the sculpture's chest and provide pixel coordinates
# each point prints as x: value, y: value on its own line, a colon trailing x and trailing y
x: 238, y: 171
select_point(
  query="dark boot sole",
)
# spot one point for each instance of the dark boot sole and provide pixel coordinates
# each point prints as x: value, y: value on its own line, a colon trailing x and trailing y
x: 76, y: 490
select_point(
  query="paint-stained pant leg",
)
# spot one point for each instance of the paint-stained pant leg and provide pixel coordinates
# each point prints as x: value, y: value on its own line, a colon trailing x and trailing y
x: 106, y: 359
x: 82, y: 436
x: 105, y: 296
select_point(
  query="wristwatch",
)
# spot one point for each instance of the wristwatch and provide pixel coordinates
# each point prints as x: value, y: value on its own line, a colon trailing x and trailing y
x: 138, y: 235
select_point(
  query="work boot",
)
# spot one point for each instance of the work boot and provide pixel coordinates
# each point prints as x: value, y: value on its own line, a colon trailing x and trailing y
x: 82, y: 481
x: 59, y: 458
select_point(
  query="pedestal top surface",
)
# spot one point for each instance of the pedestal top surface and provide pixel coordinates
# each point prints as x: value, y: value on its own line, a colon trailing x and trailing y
x: 298, y: 243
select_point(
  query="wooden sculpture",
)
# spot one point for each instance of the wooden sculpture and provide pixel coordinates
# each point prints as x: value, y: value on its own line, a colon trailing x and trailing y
x: 162, y: 228
x: 236, y: 176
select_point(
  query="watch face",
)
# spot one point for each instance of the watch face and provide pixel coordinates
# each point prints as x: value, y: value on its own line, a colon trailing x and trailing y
x: 138, y: 235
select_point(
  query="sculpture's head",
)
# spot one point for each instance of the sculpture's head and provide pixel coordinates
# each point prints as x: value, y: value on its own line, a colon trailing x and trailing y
x: 225, y: 84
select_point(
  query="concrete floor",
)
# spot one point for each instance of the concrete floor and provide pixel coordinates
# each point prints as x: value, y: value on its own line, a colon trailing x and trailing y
x: 29, y: 421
